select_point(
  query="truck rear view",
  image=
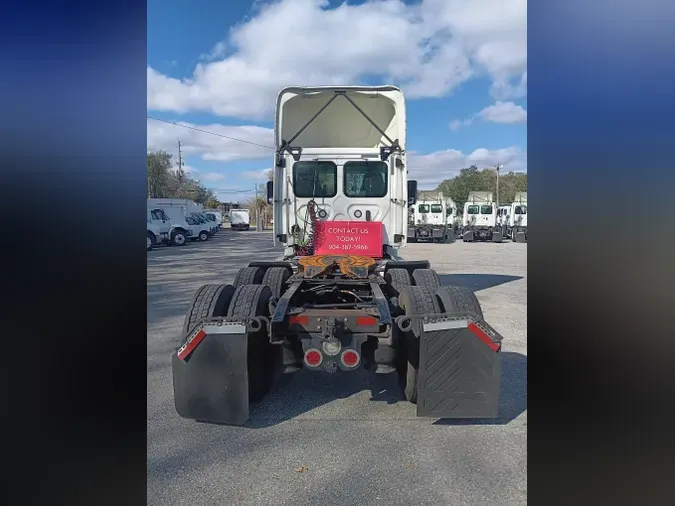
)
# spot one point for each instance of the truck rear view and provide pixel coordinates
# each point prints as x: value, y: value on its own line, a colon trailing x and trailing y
x: 240, y: 219
x: 341, y: 298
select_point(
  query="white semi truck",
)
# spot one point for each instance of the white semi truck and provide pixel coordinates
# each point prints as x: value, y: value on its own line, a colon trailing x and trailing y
x: 518, y: 218
x: 480, y: 218
x: 429, y: 221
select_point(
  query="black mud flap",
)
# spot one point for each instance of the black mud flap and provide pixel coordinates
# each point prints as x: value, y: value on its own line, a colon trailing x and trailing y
x: 210, y: 375
x: 496, y: 237
x: 520, y: 237
x: 460, y: 370
x: 468, y: 235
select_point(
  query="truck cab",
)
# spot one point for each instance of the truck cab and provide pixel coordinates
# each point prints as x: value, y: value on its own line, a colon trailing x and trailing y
x: 340, y: 157
x: 518, y: 218
x: 480, y: 218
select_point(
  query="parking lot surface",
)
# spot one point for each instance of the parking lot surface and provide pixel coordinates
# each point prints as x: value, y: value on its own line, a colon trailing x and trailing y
x: 343, y: 438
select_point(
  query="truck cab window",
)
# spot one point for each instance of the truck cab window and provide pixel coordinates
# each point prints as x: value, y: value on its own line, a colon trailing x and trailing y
x: 157, y: 214
x: 521, y: 209
x: 436, y: 208
x: 472, y: 209
x: 314, y: 179
x: 423, y: 208
x: 365, y: 179
x: 486, y: 209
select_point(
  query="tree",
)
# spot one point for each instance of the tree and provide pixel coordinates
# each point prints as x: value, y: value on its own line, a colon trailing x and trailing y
x: 212, y: 204
x: 473, y: 179
x: 160, y: 180
x: 165, y: 182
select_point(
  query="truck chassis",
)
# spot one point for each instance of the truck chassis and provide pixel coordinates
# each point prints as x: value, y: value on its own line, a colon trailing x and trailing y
x: 473, y: 234
x: 336, y: 314
x: 433, y: 233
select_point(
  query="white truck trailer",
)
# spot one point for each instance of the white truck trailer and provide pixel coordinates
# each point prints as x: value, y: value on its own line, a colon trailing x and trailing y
x: 240, y: 219
x: 480, y: 218
x: 163, y: 229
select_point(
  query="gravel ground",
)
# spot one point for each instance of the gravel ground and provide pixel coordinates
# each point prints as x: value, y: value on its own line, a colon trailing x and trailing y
x: 355, y: 438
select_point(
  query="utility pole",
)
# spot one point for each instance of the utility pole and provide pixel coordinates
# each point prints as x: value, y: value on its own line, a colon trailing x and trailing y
x: 498, y: 167
x: 179, y: 173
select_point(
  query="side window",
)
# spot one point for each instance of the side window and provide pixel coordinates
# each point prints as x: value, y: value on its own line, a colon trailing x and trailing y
x: 314, y: 179
x: 157, y: 214
x: 365, y: 179
x: 521, y: 209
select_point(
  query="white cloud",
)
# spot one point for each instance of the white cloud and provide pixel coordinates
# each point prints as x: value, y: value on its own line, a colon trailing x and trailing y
x: 428, y: 48
x: 212, y: 147
x: 504, y: 112
x: 429, y: 170
x: 211, y: 176
x: 256, y: 175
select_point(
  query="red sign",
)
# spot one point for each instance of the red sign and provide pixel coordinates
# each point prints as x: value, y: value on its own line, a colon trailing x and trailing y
x: 348, y: 238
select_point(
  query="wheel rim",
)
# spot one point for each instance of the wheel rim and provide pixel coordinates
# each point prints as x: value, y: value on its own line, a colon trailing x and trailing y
x: 149, y: 243
x: 203, y: 237
x: 179, y: 238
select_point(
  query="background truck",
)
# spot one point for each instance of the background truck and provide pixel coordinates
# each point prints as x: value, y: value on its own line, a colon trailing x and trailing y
x: 240, y: 219
x: 175, y: 232
x: 518, y: 218
x: 480, y: 218
x: 178, y: 210
x: 452, y: 220
x: 341, y: 298
x: 216, y: 216
x: 503, y: 217
x: 429, y: 221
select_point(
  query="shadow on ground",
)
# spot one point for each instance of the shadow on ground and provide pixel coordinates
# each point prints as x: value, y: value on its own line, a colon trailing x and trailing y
x: 477, y: 282
x: 304, y: 391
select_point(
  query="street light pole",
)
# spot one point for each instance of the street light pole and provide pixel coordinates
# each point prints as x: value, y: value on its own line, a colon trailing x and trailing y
x: 498, y: 185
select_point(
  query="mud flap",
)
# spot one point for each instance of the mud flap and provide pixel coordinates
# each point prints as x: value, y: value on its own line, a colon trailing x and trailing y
x: 210, y: 374
x: 468, y: 235
x: 460, y: 370
x: 520, y: 237
x: 496, y: 237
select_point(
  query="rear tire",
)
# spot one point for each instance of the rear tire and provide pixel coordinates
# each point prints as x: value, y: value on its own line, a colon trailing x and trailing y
x: 275, y: 278
x: 249, y: 276
x: 203, y: 236
x: 458, y: 299
x: 150, y: 241
x: 250, y: 301
x: 415, y: 300
x: 397, y: 280
x: 427, y: 278
x: 208, y: 301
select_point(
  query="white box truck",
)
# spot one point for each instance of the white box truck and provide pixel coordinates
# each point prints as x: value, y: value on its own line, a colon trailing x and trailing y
x: 216, y: 216
x: 240, y: 219
x: 161, y: 228
x: 178, y: 211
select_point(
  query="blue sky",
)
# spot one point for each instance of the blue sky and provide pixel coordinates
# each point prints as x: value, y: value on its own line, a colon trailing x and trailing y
x: 217, y: 66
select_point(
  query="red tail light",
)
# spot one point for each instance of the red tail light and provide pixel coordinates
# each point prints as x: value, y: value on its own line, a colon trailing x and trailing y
x: 300, y: 320
x: 350, y: 358
x: 366, y: 321
x: 313, y: 357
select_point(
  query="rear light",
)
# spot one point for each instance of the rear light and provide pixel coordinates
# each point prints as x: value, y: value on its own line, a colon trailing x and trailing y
x: 299, y: 320
x: 350, y: 358
x: 313, y: 357
x: 366, y: 321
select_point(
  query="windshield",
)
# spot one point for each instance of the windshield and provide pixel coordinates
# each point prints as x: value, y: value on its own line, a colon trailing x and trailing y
x: 521, y: 210
x: 314, y: 179
x: 472, y: 209
x: 423, y: 208
x: 211, y: 216
x: 190, y: 220
x: 365, y: 179
x: 198, y: 218
x: 486, y: 209
x: 436, y: 208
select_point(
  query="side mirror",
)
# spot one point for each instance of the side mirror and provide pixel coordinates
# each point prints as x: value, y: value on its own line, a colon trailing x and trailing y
x: 412, y: 192
x: 270, y: 192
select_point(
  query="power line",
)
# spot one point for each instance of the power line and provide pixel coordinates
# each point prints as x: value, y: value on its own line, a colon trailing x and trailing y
x: 210, y: 133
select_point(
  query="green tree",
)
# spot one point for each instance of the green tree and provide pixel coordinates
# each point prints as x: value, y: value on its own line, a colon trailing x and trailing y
x: 473, y: 179
x: 160, y: 177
